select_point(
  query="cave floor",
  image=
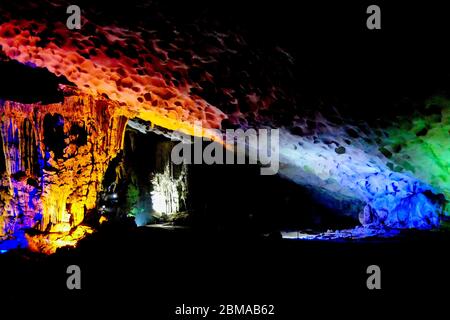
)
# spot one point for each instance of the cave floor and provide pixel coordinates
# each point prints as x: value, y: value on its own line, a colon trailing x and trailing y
x: 164, y: 267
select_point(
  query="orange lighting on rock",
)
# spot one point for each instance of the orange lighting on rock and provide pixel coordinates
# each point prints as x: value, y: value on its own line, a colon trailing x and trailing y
x: 112, y: 87
x: 139, y: 84
x: 67, y: 186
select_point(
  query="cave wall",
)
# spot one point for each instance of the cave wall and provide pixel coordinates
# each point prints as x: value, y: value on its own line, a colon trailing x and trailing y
x: 54, y: 160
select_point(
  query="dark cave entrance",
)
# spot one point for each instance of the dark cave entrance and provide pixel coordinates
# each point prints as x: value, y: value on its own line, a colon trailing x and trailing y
x: 142, y: 182
x: 233, y: 199
x: 2, y: 157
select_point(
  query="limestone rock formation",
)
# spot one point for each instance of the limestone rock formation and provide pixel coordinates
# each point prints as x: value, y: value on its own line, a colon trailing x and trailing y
x: 55, y: 157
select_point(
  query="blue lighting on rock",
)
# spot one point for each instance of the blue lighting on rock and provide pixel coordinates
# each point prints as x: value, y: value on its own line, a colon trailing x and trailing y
x: 359, y: 177
x: 16, y: 241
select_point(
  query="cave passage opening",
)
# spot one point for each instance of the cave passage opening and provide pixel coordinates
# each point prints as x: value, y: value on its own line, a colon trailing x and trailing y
x: 143, y: 183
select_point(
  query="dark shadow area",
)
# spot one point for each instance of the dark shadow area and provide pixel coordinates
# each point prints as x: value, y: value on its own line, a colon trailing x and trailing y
x: 29, y: 149
x: 242, y: 201
x: 28, y: 83
x: 78, y: 134
x: 149, y: 271
x: 54, y: 134
x: 2, y: 157
x: 223, y: 198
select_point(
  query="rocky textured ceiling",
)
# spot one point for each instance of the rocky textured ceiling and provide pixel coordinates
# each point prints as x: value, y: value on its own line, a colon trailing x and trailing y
x: 394, y: 173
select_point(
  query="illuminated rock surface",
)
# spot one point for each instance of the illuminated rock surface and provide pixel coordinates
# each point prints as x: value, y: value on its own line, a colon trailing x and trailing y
x: 55, y: 159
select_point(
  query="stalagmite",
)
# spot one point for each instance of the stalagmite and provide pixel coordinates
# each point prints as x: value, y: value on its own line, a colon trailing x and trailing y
x: 52, y: 189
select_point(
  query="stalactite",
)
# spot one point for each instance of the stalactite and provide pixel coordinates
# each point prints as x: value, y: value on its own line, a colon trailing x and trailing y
x: 169, y: 183
x: 4, y: 186
x: 42, y: 188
